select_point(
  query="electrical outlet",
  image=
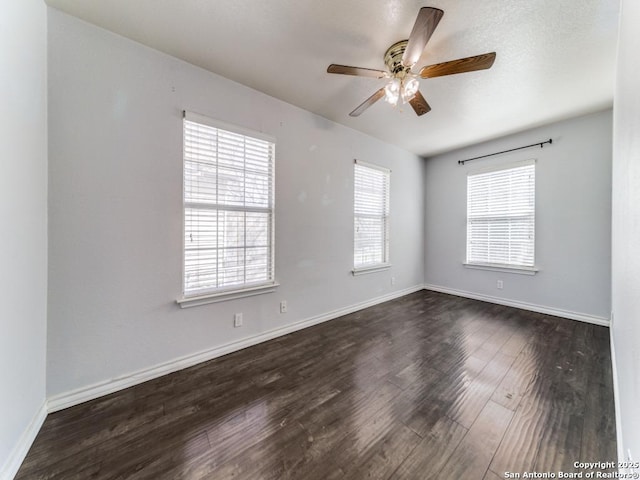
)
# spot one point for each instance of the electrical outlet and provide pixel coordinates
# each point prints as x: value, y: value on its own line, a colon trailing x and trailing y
x: 283, y: 306
x: 237, y: 320
x: 499, y: 284
x: 393, y: 280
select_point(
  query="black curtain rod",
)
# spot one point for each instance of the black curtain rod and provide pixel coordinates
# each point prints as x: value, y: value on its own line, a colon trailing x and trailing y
x: 462, y: 162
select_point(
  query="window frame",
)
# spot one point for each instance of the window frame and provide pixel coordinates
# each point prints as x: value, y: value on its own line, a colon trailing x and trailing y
x: 385, y: 264
x: 220, y: 294
x: 503, y: 267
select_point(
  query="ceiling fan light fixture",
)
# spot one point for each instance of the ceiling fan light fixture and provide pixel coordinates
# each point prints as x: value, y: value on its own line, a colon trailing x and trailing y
x: 410, y: 86
x: 392, y: 91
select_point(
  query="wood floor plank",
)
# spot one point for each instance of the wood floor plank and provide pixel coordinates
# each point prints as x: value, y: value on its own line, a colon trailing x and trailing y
x: 466, y: 400
x: 364, y: 440
x: 519, y: 448
x: 431, y: 454
x: 537, y: 427
x: 59, y: 443
x: 471, y: 459
x: 517, y: 381
x: 492, y: 476
x: 599, y: 430
x: 153, y: 459
x: 425, y: 386
x: 272, y: 459
x: 385, y: 457
x: 561, y: 439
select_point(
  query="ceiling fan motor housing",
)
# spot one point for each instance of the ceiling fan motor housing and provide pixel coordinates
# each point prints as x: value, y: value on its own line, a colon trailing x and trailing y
x: 393, y: 59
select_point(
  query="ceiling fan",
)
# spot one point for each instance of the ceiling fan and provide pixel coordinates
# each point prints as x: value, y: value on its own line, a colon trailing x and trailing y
x: 402, y: 56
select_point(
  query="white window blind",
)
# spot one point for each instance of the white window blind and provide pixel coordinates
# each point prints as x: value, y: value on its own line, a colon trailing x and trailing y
x: 371, y: 215
x: 228, y: 209
x: 501, y: 216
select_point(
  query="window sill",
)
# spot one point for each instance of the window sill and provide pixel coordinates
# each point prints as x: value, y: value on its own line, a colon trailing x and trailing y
x: 372, y: 269
x: 215, y: 297
x: 503, y: 268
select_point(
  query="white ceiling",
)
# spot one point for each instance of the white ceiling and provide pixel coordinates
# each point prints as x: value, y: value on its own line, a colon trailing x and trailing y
x: 555, y: 58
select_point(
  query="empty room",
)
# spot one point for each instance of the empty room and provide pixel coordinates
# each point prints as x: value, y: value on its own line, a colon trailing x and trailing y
x: 320, y: 240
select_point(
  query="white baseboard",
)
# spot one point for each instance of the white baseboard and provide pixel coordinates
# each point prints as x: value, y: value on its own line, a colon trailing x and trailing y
x: 616, y: 399
x: 19, y: 452
x: 80, y: 395
x: 556, y: 312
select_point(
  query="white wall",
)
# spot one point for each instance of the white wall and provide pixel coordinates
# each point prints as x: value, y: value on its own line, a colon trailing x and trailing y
x: 116, y: 220
x: 23, y: 216
x: 626, y: 231
x: 573, y: 220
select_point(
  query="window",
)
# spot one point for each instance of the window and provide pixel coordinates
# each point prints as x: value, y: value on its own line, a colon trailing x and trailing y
x: 501, y: 217
x: 228, y: 208
x: 371, y: 217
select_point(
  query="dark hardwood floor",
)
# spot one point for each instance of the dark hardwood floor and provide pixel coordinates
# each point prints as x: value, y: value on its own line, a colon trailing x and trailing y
x: 428, y: 386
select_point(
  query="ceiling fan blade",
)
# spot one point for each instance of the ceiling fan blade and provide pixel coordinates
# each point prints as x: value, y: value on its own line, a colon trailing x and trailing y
x: 461, y: 65
x: 424, y: 27
x: 357, y: 71
x: 419, y: 104
x: 367, y: 103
